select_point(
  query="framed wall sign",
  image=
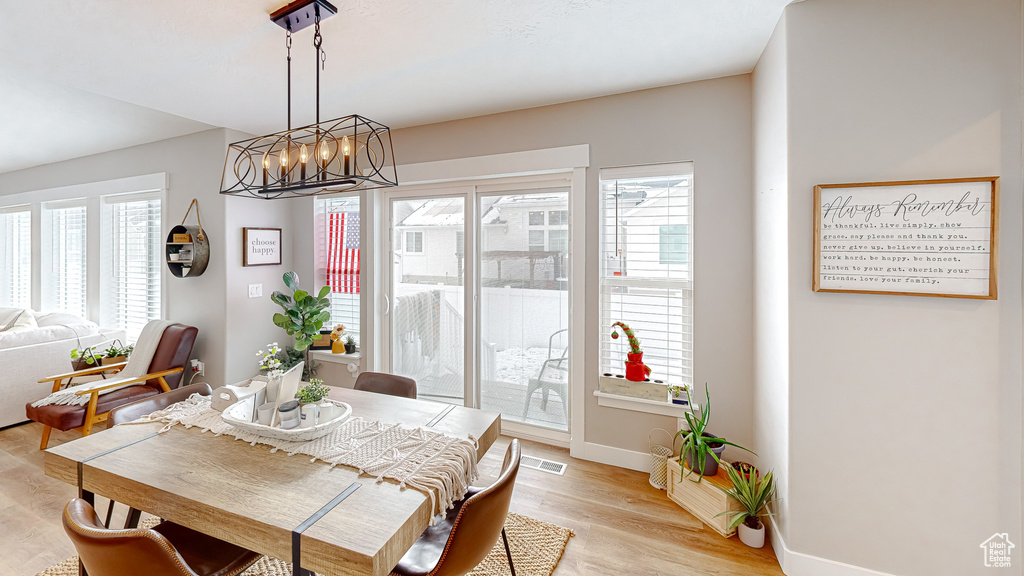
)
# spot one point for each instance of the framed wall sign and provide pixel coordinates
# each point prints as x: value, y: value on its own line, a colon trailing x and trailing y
x: 913, y: 238
x: 261, y: 246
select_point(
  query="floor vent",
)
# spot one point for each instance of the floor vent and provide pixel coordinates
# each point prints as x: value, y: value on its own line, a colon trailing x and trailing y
x: 543, y: 465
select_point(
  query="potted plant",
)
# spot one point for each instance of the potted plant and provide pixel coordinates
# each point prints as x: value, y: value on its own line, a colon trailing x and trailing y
x: 116, y: 353
x: 678, y: 393
x: 350, y: 344
x: 700, y: 451
x: 754, y: 494
x: 309, y: 396
x: 173, y: 253
x: 744, y: 469
x: 84, y: 358
x: 271, y: 367
x: 636, y: 370
x: 304, y: 314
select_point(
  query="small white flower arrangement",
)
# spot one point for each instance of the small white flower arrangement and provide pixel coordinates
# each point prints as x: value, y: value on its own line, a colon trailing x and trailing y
x: 269, y: 362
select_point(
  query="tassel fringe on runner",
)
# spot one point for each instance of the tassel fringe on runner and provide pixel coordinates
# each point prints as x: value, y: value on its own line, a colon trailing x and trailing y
x: 439, y: 465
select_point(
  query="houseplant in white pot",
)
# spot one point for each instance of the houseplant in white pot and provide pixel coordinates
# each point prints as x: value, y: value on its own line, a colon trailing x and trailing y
x: 753, y: 493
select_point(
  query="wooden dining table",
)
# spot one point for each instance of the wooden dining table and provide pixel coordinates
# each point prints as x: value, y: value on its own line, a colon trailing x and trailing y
x: 333, y: 521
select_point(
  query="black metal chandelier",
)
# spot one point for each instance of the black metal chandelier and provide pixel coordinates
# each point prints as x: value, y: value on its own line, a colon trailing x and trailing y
x: 339, y: 155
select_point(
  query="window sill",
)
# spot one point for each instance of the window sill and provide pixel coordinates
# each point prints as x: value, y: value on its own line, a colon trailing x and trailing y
x: 642, y: 405
x: 327, y: 356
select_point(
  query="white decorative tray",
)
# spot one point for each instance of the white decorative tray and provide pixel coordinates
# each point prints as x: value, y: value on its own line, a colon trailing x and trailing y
x: 235, y: 415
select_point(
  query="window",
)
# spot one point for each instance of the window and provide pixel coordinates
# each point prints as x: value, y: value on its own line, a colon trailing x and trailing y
x: 131, y: 261
x: 16, y: 257
x: 558, y: 217
x: 558, y: 241
x: 673, y: 244
x: 64, y: 257
x: 646, y: 273
x: 339, y: 243
x: 414, y: 242
x: 536, y: 239
x: 537, y: 218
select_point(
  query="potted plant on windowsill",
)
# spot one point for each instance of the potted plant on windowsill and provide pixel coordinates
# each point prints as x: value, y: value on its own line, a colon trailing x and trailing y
x: 754, y: 494
x: 350, y: 344
x: 701, y: 451
x: 85, y: 358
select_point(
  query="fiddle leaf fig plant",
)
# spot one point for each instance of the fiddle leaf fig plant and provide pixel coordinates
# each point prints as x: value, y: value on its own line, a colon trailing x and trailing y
x: 304, y: 314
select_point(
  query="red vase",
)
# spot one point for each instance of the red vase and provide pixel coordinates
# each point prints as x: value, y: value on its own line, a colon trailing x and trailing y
x: 635, y: 357
x: 635, y: 371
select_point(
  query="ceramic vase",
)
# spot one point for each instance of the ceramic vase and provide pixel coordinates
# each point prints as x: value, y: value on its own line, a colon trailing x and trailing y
x: 750, y: 536
x: 273, y: 388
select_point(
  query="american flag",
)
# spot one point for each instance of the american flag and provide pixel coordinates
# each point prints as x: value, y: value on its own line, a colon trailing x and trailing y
x: 343, y: 252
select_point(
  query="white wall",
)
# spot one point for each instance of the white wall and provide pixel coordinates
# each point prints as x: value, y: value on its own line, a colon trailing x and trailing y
x: 771, y: 263
x: 904, y: 412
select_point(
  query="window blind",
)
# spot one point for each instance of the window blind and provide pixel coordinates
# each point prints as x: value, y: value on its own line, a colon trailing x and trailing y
x: 133, y: 260
x: 16, y: 285
x: 646, y: 267
x: 64, y: 281
x: 339, y: 254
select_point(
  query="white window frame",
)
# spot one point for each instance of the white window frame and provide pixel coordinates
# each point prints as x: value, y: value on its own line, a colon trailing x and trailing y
x: 33, y: 255
x: 49, y: 274
x: 107, y: 202
x: 92, y: 192
x: 684, y: 285
x: 405, y: 248
x: 320, y: 264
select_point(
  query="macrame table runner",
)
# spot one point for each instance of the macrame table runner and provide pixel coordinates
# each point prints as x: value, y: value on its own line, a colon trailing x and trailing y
x: 434, y: 463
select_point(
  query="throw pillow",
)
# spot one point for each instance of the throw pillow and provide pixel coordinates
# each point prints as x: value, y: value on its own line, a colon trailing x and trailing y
x: 25, y: 321
x: 10, y: 324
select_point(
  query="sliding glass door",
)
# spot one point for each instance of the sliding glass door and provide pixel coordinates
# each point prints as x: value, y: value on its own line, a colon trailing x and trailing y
x: 428, y: 323
x: 504, y: 346
x: 523, y: 264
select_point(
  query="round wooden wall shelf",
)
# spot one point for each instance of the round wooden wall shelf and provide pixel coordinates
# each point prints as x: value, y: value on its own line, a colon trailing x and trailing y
x: 199, y: 251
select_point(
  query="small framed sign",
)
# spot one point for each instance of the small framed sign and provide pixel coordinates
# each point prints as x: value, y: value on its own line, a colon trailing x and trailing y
x: 261, y: 246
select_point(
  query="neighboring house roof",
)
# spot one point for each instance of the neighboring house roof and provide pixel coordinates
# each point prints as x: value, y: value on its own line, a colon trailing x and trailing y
x: 652, y: 200
x: 439, y: 212
x: 522, y: 201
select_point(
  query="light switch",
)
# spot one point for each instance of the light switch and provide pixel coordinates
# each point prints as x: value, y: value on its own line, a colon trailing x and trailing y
x: 255, y: 290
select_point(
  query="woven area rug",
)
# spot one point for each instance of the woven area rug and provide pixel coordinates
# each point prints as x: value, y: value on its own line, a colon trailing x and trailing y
x: 536, y: 546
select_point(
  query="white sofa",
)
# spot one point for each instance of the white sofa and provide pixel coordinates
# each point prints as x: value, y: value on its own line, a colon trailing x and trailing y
x: 28, y: 355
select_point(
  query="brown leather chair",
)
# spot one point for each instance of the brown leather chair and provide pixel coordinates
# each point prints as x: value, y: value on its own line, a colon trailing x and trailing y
x: 165, y: 373
x: 389, y: 384
x: 151, y: 404
x: 166, y: 550
x: 458, y: 543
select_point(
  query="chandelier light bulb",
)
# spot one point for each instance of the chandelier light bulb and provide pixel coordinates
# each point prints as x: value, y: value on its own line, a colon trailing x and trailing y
x: 303, y: 154
x: 345, y: 150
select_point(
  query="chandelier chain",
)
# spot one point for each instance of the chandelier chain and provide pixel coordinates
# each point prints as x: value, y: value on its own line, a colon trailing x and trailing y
x: 288, y: 47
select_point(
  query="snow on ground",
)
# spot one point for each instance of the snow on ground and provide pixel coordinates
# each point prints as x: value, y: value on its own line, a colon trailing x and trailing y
x: 518, y: 365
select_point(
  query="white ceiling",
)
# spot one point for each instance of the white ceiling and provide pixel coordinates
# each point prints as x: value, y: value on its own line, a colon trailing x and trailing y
x: 79, y: 78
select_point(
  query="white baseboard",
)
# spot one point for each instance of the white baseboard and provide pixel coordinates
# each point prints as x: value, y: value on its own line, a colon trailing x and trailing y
x: 640, y: 461
x: 799, y: 564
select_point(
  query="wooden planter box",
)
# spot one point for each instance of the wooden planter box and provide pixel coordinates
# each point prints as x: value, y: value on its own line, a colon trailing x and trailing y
x: 705, y: 499
x: 647, y: 390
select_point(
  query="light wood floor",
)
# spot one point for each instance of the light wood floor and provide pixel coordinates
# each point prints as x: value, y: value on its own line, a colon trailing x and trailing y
x: 623, y: 526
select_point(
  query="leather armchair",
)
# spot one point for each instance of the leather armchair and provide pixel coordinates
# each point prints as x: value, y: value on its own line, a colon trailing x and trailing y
x: 166, y: 550
x: 458, y: 543
x: 389, y: 384
x: 165, y: 372
x: 140, y: 408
